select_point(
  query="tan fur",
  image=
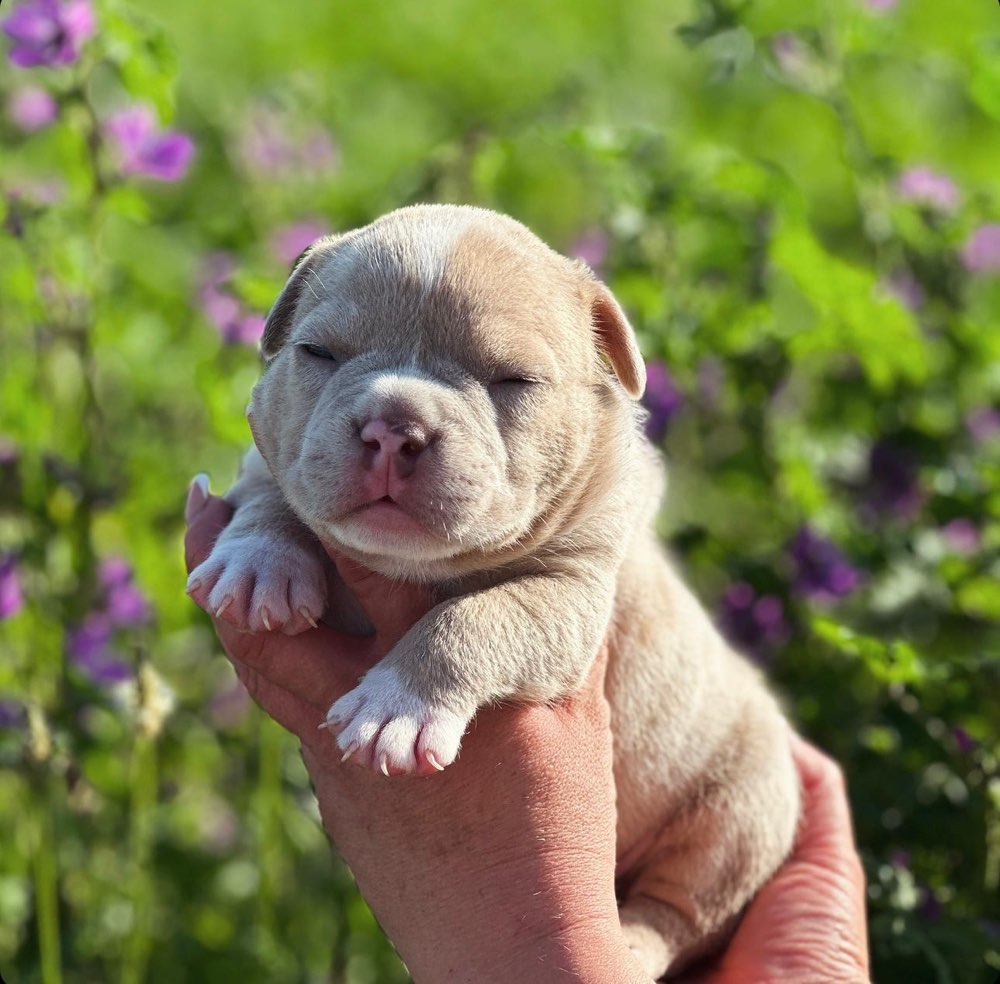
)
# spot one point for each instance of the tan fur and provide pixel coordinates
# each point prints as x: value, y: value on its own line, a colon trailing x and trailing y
x: 536, y: 502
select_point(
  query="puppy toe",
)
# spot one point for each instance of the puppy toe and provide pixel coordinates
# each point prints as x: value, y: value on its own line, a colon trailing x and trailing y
x: 439, y: 741
x: 202, y: 580
x: 307, y: 601
x: 382, y: 724
x: 229, y: 600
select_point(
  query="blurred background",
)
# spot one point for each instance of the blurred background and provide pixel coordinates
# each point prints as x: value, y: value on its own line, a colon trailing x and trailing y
x: 799, y: 205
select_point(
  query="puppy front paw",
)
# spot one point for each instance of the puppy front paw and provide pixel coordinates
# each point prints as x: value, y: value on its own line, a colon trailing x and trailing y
x: 261, y: 583
x: 383, y: 725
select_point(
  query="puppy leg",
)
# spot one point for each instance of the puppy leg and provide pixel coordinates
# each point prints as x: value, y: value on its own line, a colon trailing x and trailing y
x: 266, y: 572
x: 409, y: 713
x: 687, y: 892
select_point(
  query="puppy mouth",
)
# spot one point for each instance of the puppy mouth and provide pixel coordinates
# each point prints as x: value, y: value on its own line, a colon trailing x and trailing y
x: 386, y: 515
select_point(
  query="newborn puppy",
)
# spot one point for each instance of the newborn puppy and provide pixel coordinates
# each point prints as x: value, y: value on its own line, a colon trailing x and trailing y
x: 447, y: 400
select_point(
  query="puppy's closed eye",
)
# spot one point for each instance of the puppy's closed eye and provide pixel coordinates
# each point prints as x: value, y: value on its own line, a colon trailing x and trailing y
x: 317, y: 351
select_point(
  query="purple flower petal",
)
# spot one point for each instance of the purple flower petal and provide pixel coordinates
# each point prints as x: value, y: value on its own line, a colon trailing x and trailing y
x: 166, y: 158
x: 924, y: 186
x: 983, y: 423
x: 143, y: 150
x: 89, y: 647
x: 11, y: 597
x: 246, y: 330
x: 11, y: 714
x: 822, y: 572
x: 662, y: 399
x: 906, y: 289
x: 756, y: 624
x: 288, y: 242
x: 962, y: 536
x: 113, y: 571
x: 268, y: 147
x: 981, y: 252
x: 966, y: 743
x: 31, y: 108
x: 48, y: 32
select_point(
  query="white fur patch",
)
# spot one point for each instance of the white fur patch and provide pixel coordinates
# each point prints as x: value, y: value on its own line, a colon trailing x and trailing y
x: 386, y: 726
x: 261, y: 583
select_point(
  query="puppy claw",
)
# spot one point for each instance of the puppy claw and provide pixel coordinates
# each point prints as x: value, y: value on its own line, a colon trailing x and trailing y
x: 264, y: 619
x: 326, y: 725
x: 226, y: 602
x: 194, y: 585
x: 351, y: 749
x: 304, y: 612
x: 397, y: 731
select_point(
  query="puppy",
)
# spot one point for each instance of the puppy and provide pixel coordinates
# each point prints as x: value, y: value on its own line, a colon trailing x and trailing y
x: 447, y: 400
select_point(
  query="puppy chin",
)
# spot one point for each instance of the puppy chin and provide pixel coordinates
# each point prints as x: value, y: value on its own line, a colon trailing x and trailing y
x: 414, y: 545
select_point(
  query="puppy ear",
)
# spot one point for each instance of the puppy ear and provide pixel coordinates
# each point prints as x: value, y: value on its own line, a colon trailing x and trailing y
x: 282, y: 313
x: 616, y: 340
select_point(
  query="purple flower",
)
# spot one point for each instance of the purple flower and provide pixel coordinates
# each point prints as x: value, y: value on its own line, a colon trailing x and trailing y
x: 961, y: 535
x: 31, y: 108
x: 267, y: 147
x: 983, y: 423
x: 248, y: 329
x: 11, y: 714
x: 923, y: 186
x: 11, y: 598
x: 981, y: 252
x: 966, y: 743
x: 234, y: 323
x: 662, y: 399
x: 755, y: 623
x: 124, y: 603
x: 90, y: 647
x: 591, y: 246
x: 892, y: 480
x: 48, y: 32
x: 822, y: 571
x: 288, y: 242
x: 905, y: 288
x: 145, y: 149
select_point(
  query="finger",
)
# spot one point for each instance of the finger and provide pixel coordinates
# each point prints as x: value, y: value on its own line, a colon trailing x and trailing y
x: 204, y: 528
x: 391, y: 606
x: 823, y: 784
x: 826, y: 815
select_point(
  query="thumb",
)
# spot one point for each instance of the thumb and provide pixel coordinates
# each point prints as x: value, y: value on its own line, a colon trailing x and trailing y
x: 391, y: 606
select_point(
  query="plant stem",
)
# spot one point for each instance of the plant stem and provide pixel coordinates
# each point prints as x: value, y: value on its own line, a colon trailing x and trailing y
x: 46, y: 879
x: 142, y: 815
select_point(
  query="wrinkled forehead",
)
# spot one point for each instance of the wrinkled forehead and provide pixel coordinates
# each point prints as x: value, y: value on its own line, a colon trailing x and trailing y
x: 467, y: 293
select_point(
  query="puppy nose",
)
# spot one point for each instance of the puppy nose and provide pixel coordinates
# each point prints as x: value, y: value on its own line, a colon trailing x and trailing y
x: 405, y: 439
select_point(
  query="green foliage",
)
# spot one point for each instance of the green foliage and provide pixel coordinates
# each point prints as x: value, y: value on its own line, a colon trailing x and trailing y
x: 746, y: 163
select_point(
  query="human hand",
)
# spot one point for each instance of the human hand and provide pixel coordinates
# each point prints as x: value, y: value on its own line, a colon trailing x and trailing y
x: 498, y: 869
x: 807, y: 924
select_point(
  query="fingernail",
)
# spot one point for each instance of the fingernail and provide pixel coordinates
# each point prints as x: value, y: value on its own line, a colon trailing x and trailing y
x: 197, y: 497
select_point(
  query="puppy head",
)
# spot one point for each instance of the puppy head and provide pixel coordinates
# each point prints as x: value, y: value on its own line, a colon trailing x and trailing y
x: 434, y: 385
